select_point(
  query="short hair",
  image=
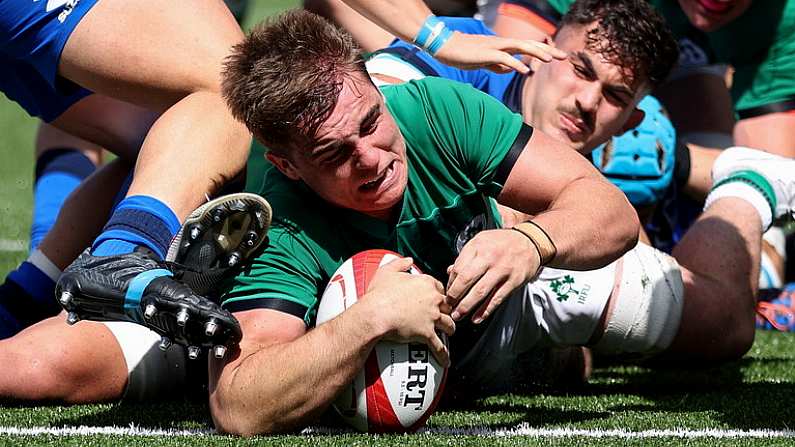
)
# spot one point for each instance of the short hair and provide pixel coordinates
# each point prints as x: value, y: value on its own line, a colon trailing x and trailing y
x: 284, y: 79
x: 628, y: 33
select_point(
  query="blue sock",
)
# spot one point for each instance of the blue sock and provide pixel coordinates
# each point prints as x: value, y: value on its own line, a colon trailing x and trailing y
x: 137, y: 221
x: 58, y: 172
x: 28, y: 295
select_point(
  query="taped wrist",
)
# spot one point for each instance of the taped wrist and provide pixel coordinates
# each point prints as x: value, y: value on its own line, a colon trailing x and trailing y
x: 432, y: 35
x: 543, y: 243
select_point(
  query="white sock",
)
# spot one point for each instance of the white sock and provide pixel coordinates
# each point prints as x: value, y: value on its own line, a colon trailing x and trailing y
x: 43, y: 263
x: 745, y: 192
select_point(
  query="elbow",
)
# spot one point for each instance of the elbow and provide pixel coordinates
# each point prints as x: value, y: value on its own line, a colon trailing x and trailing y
x: 619, y: 233
x: 230, y: 421
x: 239, y: 420
x: 234, y: 419
x: 242, y: 424
x: 627, y: 228
x: 632, y: 230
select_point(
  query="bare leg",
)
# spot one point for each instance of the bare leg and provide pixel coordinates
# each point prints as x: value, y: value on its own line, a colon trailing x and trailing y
x: 172, y: 63
x: 49, y: 137
x: 62, y: 162
x: 51, y: 361
x: 118, y: 126
x: 719, y: 257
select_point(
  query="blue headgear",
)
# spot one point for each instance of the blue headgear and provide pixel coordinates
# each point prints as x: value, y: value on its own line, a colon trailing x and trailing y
x: 641, y: 161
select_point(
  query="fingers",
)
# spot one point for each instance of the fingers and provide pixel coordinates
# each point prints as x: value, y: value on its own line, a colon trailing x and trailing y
x: 503, y: 59
x: 398, y: 265
x: 489, y: 306
x: 446, y: 325
x: 507, y: 48
x: 535, y: 49
x: 439, y: 350
x: 446, y: 307
x: 437, y: 285
x: 466, y: 271
x: 483, y: 289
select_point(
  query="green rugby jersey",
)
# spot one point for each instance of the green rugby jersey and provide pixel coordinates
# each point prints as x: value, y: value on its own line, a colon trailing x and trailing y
x: 460, y: 144
x: 760, y: 45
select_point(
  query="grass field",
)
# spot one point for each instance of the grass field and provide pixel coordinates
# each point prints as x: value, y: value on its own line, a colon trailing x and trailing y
x: 746, y: 403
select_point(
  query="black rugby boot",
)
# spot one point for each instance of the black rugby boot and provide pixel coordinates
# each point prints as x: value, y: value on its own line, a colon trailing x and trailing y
x: 136, y: 287
x: 216, y: 240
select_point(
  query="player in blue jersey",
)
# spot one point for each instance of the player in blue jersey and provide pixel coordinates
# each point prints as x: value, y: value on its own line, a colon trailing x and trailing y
x: 78, y: 65
x: 62, y: 162
x: 646, y: 166
x: 751, y: 104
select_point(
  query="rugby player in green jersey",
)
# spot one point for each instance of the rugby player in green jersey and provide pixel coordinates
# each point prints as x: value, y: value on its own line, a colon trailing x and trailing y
x: 120, y: 361
x: 416, y: 169
x: 409, y: 168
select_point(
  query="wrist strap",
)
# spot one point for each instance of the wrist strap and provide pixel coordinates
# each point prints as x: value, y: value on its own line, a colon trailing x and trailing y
x: 546, y: 248
x: 432, y: 35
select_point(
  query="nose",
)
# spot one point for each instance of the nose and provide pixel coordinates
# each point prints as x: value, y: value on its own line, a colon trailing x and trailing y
x: 589, y: 97
x: 365, y: 157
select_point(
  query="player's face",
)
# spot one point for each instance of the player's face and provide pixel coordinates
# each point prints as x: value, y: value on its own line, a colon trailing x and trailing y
x: 582, y: 100
x: 358, y: 158
x: 710, y: 15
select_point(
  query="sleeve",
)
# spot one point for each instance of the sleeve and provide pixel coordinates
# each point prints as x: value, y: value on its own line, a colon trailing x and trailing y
x: 284, y: 277
x: 473, y: 131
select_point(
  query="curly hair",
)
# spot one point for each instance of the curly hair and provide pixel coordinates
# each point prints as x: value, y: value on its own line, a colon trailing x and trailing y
x: 628, y: 33
x: 284, y: 79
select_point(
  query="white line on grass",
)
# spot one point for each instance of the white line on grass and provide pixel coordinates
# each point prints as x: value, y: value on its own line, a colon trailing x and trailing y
x: 526, y: 430
x: 132, y: 430
x: 13, y: 245
x: 519, y: 430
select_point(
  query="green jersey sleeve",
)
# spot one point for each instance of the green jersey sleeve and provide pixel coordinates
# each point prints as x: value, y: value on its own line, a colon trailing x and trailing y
x: 284, y: 277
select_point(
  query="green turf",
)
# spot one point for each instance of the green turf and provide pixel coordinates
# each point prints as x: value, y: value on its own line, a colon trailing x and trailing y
x: 754, y: 393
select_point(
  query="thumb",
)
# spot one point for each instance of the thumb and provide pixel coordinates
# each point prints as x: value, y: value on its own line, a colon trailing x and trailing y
x: 398, y: 265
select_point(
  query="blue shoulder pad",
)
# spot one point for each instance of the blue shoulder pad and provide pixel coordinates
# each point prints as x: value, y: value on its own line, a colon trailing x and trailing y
x: 641, y: 161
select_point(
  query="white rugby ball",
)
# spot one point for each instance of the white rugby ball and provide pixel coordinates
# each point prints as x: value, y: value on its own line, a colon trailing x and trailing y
x: 401, y: 383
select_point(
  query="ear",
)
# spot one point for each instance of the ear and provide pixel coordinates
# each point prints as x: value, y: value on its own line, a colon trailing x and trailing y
x: 634, y: 119
x: 284, y: 165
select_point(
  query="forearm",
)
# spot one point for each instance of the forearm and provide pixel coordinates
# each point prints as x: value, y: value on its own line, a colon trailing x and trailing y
x: 591, y: 224
x: 401, y: 18
x: 283, y: 386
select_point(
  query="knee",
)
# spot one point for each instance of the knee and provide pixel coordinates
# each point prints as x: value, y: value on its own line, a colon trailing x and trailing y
x: 55, y: 373
x: 51, y: 373
x: 36, y: 373
x: 738, y: 341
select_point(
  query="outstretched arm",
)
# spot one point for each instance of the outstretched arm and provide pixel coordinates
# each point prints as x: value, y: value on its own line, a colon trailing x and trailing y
x: 589, y: 221
x: 281, y: 375
x: 405, y: 19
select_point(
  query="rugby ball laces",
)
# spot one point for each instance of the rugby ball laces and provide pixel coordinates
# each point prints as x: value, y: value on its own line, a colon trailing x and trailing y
x: 401, y: 383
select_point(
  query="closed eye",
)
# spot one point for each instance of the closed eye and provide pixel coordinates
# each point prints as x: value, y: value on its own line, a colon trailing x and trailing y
x: 370, y: 121
x: 618, y: 98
